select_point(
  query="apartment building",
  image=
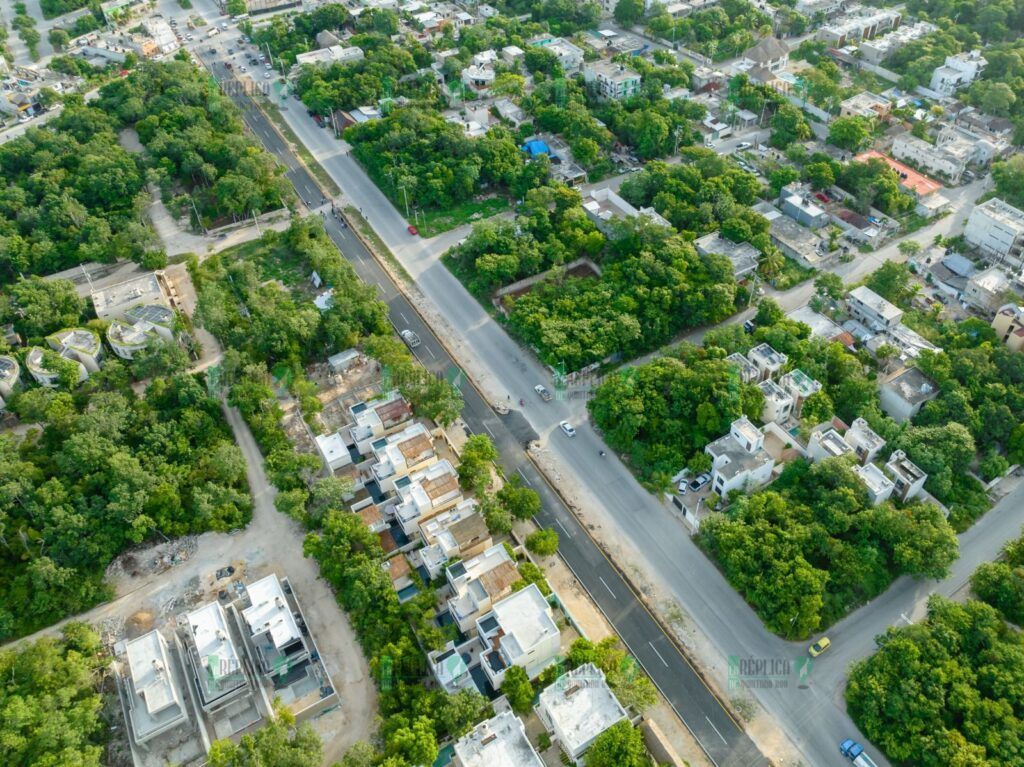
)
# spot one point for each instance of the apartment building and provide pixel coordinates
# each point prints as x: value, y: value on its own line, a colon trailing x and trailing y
x: 827, y: 443
x: 996, y: 228
x: 213, y: 658
x: 569, y: 56
x: 612, y: 81
x: 739, y: 460
x: 878, y: 485
x: 778, y: 405
x: 425, y: 493
x: 78, y: 344
x: 278, y: 645
x: 478, y: 583
x: 577, y: 708
x: 500, y: 741
x: 904, y: 393
x: 142, y: 326
x: 859, y: 26
x: 908, y: 479
x: 520, y: 630
x: 401, y: 454
x: 747, y: 370
x: 988, y: 290
x: 458, y: 533
x: 151, y: 694
x: 958, y: 71
x: 949, y: 161
x: 873, y: 311
x: 799, y: 386
x: 865, y: 442
x: 767, y: 361
x: 375, y: 418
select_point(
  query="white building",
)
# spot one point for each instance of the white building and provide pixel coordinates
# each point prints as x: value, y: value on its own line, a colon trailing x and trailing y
x: 739, y: 460
x: 377, y: 417
x: 520, y: 630
x: 865, y: 104
x: 859, y: 26
x: 478, y: 583
x: 908, y: 479
x: 10, y: 374
x: 748, y: 370
x: 425, y: 493
x: 949, y: 162
x: 577, y: 707
x: 152, y: 699
x: 958, y: 72
x: 904, y: 393
x: 767, y: 361
x: 798, y: 385
x: 569, y: 56
x: 612, y: 81
x: 35, y: 362
x: 827, y: 443
x: 142, y: 325
x: 879, y: 486
x: 996, y: 228
x: 878, y: 50
x: 277, y: 642
x: 216, y: 667
x: 742, y: 255
x: 479, y: 77
x: 460, y: 532
x: 333, y: 451
x: 865, y: 442
x: 768, y: 52
x: 604, y: 205
x: 778, y: 405
x: 400, y: 454
x: 497, y: 742
x: 873, y: 311
x: 162, y: 33
x: 114, y: 302
x: 78, y: 344
x: 332, y: 54
x: 988, y: 290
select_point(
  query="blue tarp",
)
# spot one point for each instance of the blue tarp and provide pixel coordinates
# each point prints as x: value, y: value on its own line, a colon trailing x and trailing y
x: 536, y: 147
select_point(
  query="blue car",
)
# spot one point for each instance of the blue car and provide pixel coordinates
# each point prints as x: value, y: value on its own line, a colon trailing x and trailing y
x: 854, y: 751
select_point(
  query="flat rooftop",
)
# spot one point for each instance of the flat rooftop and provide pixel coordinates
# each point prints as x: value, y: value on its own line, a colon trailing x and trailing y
x: 525, y: 618
x: 269, y: 612
x: 873, y: 477
x: 912, y: 385
x: 580, y: 705
x: 152, y: 683
x: 115, y: 300
x: 497, y: 742
x: 832, y: 443
x: 767, y: 356
x: 869, y: 298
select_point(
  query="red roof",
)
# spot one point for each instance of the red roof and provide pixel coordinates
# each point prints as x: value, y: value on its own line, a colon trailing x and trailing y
x: 910, y: 179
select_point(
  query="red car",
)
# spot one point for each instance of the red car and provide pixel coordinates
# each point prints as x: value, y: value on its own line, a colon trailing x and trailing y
x: 413, y: 230
x: 822, y: 197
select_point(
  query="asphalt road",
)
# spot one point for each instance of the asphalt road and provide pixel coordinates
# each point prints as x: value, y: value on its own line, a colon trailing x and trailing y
x: 721, y: 737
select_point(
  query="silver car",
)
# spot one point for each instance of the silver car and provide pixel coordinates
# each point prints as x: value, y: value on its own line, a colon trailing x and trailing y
x: 410, y: 338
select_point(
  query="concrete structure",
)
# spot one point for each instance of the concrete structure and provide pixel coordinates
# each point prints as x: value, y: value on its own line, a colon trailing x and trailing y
x: 333, y: 54
x: 612, y: 81
x: 795, y: 241
x: 115, y: 301
x: 520, y: 630
x: 879, y: 486
x: 827, y: 443
x: 78, y: 344
x: 865, y: 442
x: 426, y: 493
x: 399, y: 571
x: 153, y: 700
x: 904, y: 393
x: 333, y: 451
x: 277, y: 642
x: 215, y: 664
x: 865, y: 104
x: 10, y: 375
x: 377, y: 417
x: 742, y: 255
x: 577, y: 707
x: 498, y: 742
x: 460, y: 532
x: 399, y: 455
x: 143, y: 325
x: 769, y: 52
x: 35, y: 362
x: 451, y: 668
x: 948, y: 162
x: 478, y: 583
x: 1008, y: 324
x: 958, y: 72
x: 881, y: 48
x: 569, y: 55
x: 799, y: 386
x: 908, y: 479
x: 988, y: 290
x: 739, y: 460
x: 748, y: 370
x: 870, y: 309
x: 801, y: 206
x: 860, y: 26
x: 767, y: 361
x: 478, y: 78
x: 996, y: 228
x: 778, y: 405
x: 820, y: 325
x: 604, y: 205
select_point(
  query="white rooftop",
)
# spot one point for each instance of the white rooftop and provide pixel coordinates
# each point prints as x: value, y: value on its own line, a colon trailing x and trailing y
x: 580, y: 706
x: 875, y: 302
x: 332, y: 447
x: 117, y: 299
x: 151, y: 676
x: 269, y: 611
x: 875, y: 480
x: 497, y: 742
x: 525, y: 618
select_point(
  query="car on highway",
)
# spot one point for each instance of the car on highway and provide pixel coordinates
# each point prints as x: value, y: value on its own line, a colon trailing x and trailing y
x: 410, y: 338
x: 698, y: 482
x: 542, y: 392
x: 743, y: 145
x: 567, y: 428
x: 413, y: 230
x: 819, y: 647
x: 854, y: 751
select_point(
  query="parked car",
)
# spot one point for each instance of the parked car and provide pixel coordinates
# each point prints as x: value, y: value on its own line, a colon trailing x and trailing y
x: 267, y: 75
x: 822, y: 197
x: 410, y: 338
x: 743, y: 145
x: 567, y: 428
x: 413, y: 230
x: 749, y: 326
x: 542, y: 392
x: 819, y: 647
x: 698, y: 483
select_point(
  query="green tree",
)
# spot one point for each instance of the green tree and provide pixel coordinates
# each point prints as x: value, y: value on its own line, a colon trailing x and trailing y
x: 520, y: 502
x: 476, y: 462
x: 516, y: 687
x: 788, y: 126
x: 820, y: 175
x: 45, y: 306
x: 621, y: 745
x: 278, y: 742
x: 850, y: 133
x: 817, y: 408
x: 58, y: 38
x: 543, y: 543
x: 629, y: 12
x: 830, y: 285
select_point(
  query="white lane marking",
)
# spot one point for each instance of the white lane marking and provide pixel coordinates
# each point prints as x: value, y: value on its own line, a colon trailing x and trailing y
x: 559, y: 523
x: 527, y: 481
x: 489, y: 431
x: 663, y: 661
x: 716, y: 731
x: 607, y: 587
x: 404, y: 318
x: 430, y: 352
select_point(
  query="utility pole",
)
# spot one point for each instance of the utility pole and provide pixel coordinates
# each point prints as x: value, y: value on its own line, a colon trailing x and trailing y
x: 256, y: 221
x: 405, y: 196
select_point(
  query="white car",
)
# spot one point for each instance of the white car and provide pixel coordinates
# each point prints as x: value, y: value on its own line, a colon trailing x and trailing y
x: 542, y: 392
x: 266, y: 75
x: 567, y: 428
x: 407, y: 335
x: 743, y: 145
x: 268, y: 65
x: 241, y: 69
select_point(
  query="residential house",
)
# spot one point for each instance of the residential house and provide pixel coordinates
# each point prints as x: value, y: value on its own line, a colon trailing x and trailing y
x: 426, y: 493
x: 372, y: 517
x: 479, y: 78
x: 778, y: 405
x: 799, y: 386
x: 152, y: 697
x: 214, y: 663
x: 879, y: 49
x: 603, y: 205
x: 996, y: 228
x: 513, y: 54
x: 866, y: 104
x: 865, y: 442
x: 821, y: 326
x: 859, y: 26
x: 870, y: 309
x: 903, y: 394
x: 143, y: 325
x: 951, y: 273
x: 460, y: 532
x: 768, y: 52
x: 878, y: 485
x: 520, y: 630
x: 739, y: 460
x: 451, y: 668
x: 612, y: 81
x: 795, y: 241
x: 78, y: 344
x: 959, y: 71
x: 399, y: 455
x: 569, y: 55
x: 115, y: 301
x: 35, y: 362
x: 767, y: 361
x: 949, y: 162
x: 908, y: 479
x: 577, y: 708
x: 799, y: 204
x: 277, y: 644
x: 988, y: 290
x: 827, y: 443
x: 10, y: 374
x: 742, y: 255
x: 748, y: 370
x: 376, y: 418
x: 1008, y: 324
x: 478, y: 583
x: 333, y: 451
x: 399, y: 571
x: 497, y: 742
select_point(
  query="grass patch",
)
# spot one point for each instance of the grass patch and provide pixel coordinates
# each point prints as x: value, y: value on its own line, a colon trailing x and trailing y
x: 792, y: 274
x: 273, y: 112
x: 376, y: 244
x: 434, y: 222
x: 273, y: 262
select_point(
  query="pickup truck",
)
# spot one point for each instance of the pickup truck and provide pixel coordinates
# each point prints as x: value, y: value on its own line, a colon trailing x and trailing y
x: 854, y: 751
x: 212, y: 32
